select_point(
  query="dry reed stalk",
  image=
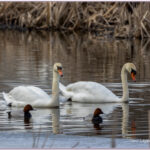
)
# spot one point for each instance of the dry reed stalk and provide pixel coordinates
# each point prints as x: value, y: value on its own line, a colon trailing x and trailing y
x: 129, y: 19
x: 48, y: 14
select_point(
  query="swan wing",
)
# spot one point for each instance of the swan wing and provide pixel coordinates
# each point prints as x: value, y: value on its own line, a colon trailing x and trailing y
x: 91, y: 92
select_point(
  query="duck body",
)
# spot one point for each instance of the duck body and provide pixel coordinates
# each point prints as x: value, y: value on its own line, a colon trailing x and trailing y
x: 22, y: 95
x: 87, y: 91
x: 95, y: 118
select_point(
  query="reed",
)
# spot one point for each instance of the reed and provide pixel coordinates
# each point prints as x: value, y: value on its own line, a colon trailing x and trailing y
x: 120, y: 19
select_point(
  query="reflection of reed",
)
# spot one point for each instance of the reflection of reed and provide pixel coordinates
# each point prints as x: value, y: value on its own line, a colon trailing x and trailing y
x: 83, y: 57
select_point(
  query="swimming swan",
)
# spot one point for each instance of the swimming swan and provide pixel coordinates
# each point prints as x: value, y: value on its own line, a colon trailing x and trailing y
x: 22, y: 95
x: 83, y: 91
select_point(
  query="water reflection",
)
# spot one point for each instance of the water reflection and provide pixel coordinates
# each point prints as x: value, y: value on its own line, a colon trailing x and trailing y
x: 125, y: 119
x: 113, y: 119
x: 97, y: 126
x: 28, y: 59
x: 55, y: 113
x: 28, y: 124
x: 83, y: 58
x: 84, y: 109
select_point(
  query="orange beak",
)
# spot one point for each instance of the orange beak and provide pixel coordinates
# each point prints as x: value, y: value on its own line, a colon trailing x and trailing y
x: 133, y: 76
x: 60, y: 73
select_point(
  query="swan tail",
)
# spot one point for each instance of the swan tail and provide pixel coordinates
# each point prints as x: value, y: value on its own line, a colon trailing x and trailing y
x: 7, y: 98
x: 64, y: 92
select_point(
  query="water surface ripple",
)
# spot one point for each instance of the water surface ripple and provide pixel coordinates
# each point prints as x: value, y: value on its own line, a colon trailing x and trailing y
x: 26, y: 58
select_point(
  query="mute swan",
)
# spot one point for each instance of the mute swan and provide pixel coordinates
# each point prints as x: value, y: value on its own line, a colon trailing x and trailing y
x: 83, y: 91
x: 22, y: 95
x: 22, y: 113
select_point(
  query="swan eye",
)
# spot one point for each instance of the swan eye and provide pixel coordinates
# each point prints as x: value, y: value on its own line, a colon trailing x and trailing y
x: 59, y: 68
x: 133, y: 71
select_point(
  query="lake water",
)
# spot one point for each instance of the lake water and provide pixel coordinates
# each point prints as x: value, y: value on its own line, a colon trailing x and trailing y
x: 27, y: 58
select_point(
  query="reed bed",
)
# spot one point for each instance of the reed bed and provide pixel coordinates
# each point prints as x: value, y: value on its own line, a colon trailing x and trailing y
x: 119, y: 19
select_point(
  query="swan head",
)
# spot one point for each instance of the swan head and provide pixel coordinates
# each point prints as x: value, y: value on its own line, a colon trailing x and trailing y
x: 27, y: 108
x: 97, y: 112
x: 130, y: 67
x: 58, y: 69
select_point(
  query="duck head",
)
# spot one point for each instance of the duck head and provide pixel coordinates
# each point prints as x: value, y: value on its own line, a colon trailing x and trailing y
x: 27, y: 108
x: 58, y: 69
x: 98, y: 111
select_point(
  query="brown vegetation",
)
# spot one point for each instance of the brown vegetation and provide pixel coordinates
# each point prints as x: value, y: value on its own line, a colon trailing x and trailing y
x: 122, y: 20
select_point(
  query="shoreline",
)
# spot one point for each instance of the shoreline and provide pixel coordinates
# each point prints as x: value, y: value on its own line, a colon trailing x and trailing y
x: 121, y: 20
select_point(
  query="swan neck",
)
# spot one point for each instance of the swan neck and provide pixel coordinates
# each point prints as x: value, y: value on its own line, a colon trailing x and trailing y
x: 55, y: 90
x: 124, y: 84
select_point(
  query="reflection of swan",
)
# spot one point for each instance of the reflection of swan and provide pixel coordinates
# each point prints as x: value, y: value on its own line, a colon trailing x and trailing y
x: 25, y: 113
x: 46, y: 117
x: 55, y: 120
x: 3, y: 105
x: 81, y: 110
x: 125, y: 118
x: 84, y: 109
x: 95, y: 92
x: 35, y: 96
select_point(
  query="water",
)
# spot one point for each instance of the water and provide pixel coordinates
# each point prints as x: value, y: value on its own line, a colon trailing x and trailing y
x: 27, y: 58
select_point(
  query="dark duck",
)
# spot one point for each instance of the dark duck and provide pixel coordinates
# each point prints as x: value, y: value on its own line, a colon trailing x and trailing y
x: 97, y: 119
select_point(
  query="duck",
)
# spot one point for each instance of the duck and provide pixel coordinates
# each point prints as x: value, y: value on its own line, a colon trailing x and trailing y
x: 93, y: 92
x: 22, y: 95
x: 21, y: 113
x: 95, y: 118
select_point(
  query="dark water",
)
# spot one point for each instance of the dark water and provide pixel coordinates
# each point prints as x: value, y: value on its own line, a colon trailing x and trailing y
x: 27, y: 59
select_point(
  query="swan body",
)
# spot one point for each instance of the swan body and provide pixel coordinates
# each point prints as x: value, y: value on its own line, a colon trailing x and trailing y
x: 83, y: 91
x: 22, y: 95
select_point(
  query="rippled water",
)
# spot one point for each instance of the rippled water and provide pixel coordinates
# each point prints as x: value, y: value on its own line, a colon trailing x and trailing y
x: 27, y: 58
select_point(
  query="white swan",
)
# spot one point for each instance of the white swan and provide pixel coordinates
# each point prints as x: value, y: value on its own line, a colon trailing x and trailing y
x: 22, y: 95
x: 94, y: 92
